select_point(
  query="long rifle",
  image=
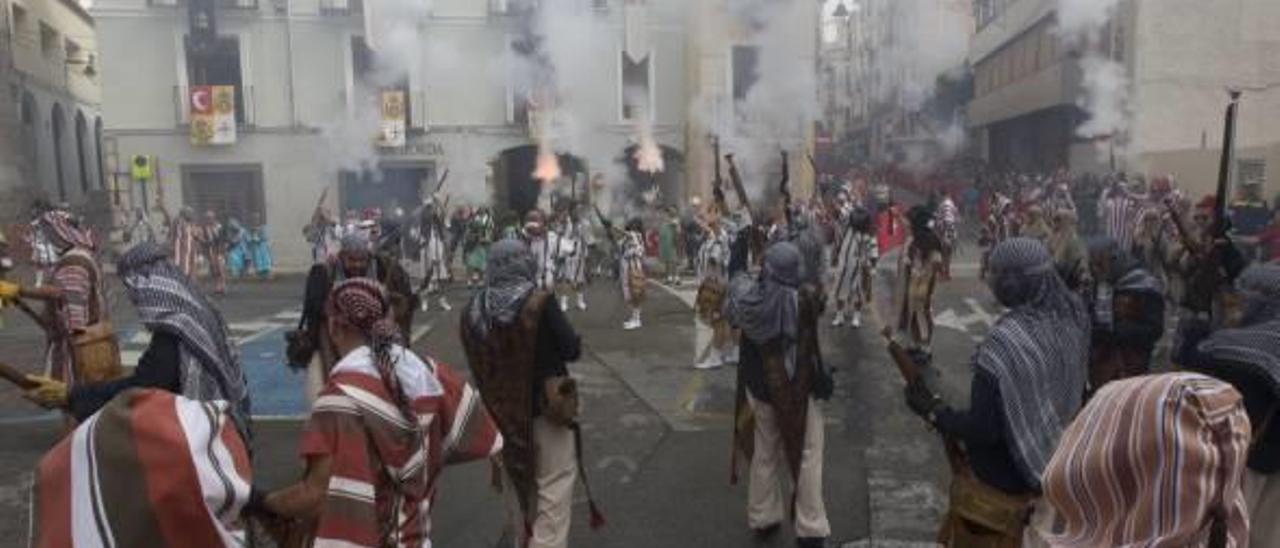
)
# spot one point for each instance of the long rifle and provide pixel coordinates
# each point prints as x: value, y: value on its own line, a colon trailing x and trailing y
x: 717, y: 184
x: 736, y: 179
x: 784, y: 188
x: 1209, y: 278
x: 440, y: 184
x: 910, y: 371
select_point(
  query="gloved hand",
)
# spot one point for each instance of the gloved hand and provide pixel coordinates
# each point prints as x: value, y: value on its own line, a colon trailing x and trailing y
x: 922, y: 400
x: 49, y: 394
x: 9, y: 291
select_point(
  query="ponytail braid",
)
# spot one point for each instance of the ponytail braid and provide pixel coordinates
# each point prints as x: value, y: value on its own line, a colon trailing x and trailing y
x: 363, y: 304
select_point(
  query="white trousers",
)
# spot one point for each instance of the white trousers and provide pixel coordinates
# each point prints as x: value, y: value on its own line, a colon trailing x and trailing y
x: 557, y: 476
x: 769, y: 470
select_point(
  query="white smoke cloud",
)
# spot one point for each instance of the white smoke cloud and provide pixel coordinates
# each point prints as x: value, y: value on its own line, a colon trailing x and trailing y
x: 1104, y: 92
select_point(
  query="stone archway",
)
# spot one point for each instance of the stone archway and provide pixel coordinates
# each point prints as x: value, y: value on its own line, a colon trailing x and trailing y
x: 514, y: 188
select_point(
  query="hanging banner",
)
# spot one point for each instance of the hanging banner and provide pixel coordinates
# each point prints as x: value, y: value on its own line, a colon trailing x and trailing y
x: 213, y: 115
x: 392, y: 134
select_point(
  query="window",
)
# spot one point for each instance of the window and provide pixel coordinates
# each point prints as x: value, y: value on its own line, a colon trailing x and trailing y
x: 340, y: 7
x: 746, y: 64
x: 48, y: 40
x: 370, y: 84
x: 73, y: 50
x: 19, y: 19
x: 217, y: 64
x: 637, y: 93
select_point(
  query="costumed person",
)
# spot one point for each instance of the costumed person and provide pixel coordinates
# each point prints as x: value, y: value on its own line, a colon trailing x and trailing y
x: 919, y: 267
x: 542, y: 244
x: 189, y: 353
x: 43, y: 253
x: 782, y: 380
x: 475, y: 245
x: 518, y: 343
x: 946, y: 221
x: 1247, y: 355
x: 310, y: 346
x: 669, y: 246
x: 631, y: 271
x: 997, y: 227
x: 1119, y: 212
x: 1035, y: 225
x: 237, y: 248
x: 1127, y: 306
x: 1151, y: 461
x: 184, y: 239
x: 323, y: 235
x: 386, y: 424
x: 713, y: 281
x: 856, y: 257
x: 1029, y: 378
x: 431, y: 233
x: 571, y: 260
x: 259, y: 247
x: 140, y: 229
x: 152, y: 469
x: 213, y: 249
x: 73, y: 298
x: 1070, y: 256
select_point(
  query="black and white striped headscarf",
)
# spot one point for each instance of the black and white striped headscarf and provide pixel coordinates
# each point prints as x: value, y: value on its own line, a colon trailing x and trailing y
x: 510, y: 277
x: 1037, y: 352
x: 1256, y: 344
x: 168, y: 303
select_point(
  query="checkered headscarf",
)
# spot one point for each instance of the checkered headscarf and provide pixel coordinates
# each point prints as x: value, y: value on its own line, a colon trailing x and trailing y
x: 1256, y: 344
x: 168, y: 302
x: 1037, y: 353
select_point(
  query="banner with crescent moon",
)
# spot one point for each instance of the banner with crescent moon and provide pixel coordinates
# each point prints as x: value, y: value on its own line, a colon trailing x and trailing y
x: 213, y: 115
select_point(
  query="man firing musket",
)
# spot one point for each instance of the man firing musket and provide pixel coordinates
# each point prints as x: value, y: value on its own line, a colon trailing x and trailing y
x: 430, y: 232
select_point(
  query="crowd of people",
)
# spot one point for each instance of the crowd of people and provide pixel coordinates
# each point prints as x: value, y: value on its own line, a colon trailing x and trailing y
x: 1078, y: 432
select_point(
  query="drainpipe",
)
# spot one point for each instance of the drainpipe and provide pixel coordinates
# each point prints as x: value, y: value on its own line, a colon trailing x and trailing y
x: 288, y: 43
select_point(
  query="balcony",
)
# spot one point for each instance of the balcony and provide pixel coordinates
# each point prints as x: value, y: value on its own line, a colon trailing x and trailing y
x: 229, y: 4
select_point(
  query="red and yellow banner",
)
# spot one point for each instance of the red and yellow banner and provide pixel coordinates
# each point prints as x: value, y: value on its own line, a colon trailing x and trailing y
x: 213, y: 115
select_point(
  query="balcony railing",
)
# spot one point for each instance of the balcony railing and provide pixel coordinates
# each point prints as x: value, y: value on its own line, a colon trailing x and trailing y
x: 230, y: 4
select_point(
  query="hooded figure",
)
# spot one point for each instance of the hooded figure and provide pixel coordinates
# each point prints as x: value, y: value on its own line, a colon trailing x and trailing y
x: 1247, y: 355
x: 781, y: 378
x: 1127, y: 305
x: 518, y: 342
x: 1028, y: 383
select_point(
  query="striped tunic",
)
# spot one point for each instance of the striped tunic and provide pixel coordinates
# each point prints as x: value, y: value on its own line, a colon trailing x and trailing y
x: 150, y: 469
x: 76, y: 283
x: 1147, y: 462
x: 857, y: 251
x: 370, y: 442
x: 1120, y: 214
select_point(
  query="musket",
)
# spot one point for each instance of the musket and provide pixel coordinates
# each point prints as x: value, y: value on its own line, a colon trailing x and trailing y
x: 910, y: 371
x: 16, y: 377
x: 717, y: 184
x: 1209, y: 278
x: 440, y: 184
x: 736, y: 179
x: 784, y: 188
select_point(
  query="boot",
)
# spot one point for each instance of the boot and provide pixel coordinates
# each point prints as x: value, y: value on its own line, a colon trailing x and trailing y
x: 838, y: 320
x: 857, y: 319
x: 634, y: 322
x: 564, y: 303
x: 731, y: 355
x: 444, y: 304
x: 714, y: 360
x: 426, y: 305
x: 582, y: 301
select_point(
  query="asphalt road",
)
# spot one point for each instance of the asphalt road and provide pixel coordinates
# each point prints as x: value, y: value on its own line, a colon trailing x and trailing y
x: 657, y: 430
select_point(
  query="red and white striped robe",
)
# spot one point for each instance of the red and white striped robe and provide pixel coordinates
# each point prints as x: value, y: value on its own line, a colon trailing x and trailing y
x: 363, y: 507
x: 182, y: 236
x: 150, y: 469
x: 1120, y: 215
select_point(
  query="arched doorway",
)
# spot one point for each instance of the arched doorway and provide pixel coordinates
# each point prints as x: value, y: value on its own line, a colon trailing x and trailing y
x: 514, y: 187
x: 97, y: 150
x: 81, y: 129
x: 59, y: 126
x: 669, y: 181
